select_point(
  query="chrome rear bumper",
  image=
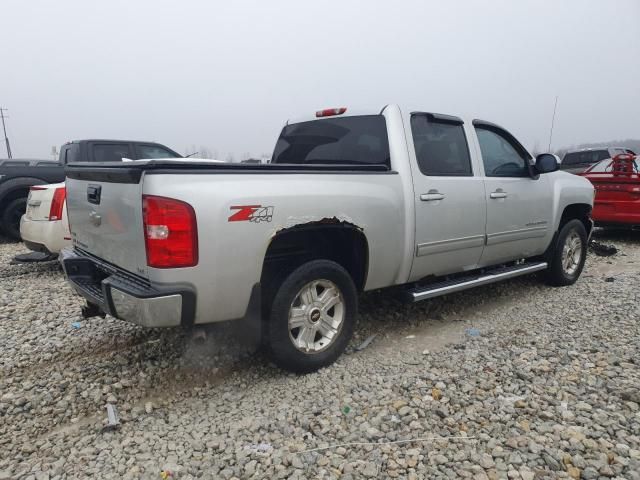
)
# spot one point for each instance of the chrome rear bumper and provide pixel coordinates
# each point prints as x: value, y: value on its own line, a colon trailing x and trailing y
x: 126, y: 296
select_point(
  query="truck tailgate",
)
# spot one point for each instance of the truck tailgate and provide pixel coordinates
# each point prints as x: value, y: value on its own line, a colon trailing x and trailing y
x: 105, y: 215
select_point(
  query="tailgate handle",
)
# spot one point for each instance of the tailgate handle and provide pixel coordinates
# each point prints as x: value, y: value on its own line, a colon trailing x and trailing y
x: 93, y: 194
x: 34, y: 203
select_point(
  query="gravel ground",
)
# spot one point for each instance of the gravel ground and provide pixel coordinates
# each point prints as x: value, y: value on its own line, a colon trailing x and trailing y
x: 515, y: 380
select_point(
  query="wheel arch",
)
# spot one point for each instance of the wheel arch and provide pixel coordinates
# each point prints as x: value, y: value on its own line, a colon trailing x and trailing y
x: 16, y: 188
x: 578, y: 211
x: 331, y: 239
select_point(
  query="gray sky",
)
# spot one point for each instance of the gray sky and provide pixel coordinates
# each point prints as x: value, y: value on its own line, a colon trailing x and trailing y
x: 227, y: 75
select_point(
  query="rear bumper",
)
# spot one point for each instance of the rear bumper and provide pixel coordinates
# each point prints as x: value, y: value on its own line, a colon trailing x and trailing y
x: 126, y: 296
x: 42, y: 235
x: 611, y: 215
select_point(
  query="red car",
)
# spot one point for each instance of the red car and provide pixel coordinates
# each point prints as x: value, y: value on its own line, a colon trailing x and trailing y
x: 617, y: 185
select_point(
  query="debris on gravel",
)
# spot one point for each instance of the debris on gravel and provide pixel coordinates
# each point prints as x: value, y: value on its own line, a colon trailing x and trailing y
x: 601, y: 249
x: 547, y: 388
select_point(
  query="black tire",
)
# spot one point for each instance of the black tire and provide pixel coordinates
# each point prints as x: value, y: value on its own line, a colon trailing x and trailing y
x: 557, y: 273
x: 11, y: 215
x: 278, y: 336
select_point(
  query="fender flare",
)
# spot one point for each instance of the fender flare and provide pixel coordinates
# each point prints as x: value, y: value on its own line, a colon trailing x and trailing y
x: 15, y: 183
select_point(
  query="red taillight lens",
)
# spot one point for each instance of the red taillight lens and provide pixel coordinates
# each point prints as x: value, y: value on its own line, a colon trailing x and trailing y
x: 57, y: 204
x: 330, y: 112
x: 170, y: 232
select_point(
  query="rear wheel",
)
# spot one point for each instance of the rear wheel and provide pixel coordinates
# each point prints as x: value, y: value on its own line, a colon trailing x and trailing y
x: 11, y: 217
x: 312, y: 317
x: 567, y: 260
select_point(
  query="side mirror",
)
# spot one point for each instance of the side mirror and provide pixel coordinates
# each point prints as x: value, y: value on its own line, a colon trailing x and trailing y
x: 546, y: 163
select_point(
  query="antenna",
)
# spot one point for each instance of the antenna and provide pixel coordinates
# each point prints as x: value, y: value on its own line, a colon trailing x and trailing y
x: 4, y: 128
x: 553, y: 118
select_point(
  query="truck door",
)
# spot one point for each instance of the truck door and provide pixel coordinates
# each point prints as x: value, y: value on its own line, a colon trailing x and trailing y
x: 449, y: 197
x: 519, y: 206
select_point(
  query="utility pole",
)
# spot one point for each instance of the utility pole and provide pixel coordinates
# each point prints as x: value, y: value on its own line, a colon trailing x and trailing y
x: 4, y: 129
x: 552, y: 121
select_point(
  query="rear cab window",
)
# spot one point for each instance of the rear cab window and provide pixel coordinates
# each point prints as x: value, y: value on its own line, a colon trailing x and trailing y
x: 356, y: 140
x: 440, y: 145
x: 110, y: 152
x: 154, y: 151
x: 589, y: 156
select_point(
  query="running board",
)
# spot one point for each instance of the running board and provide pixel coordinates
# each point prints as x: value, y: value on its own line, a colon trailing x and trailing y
x: 485, y: 278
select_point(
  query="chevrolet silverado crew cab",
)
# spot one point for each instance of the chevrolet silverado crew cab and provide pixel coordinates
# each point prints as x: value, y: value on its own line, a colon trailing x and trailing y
x: 350, y: 202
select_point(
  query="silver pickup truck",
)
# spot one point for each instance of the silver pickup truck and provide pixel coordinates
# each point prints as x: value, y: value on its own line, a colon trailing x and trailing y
x: 351, y: 201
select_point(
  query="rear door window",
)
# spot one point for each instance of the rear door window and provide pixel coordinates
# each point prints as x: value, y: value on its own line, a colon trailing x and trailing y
x: 441, y: 147
x: 347, y: 140
x: 110, y: 152
x: 153, y: 151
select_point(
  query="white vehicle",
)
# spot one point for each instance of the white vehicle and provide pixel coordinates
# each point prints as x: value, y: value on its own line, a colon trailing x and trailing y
x: 430, y: 203
x: 44, y: 227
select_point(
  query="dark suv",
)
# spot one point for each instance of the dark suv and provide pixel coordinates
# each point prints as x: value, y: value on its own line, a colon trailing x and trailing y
x: 17, y: 176
x: 112, y: 151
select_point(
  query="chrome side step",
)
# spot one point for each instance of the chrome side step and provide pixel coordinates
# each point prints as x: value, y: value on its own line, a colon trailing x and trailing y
x: 470, y: 281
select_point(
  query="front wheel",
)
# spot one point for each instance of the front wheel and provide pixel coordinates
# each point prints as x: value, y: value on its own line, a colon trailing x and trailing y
x: 569, y: 255
x: 312, y: 317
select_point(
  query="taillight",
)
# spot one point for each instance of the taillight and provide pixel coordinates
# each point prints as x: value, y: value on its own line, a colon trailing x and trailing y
x: 57, y: 204
x: 170, y: 232
x: 330, y: 112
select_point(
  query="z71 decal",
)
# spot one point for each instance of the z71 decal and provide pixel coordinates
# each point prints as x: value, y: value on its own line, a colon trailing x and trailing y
x: 251, y: 213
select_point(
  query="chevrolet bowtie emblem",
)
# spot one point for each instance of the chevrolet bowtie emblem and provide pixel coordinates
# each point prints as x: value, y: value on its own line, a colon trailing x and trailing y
x: 96, y: 219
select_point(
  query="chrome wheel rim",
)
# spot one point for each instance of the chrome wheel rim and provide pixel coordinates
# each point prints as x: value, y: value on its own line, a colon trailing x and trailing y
x: 316, y: 316
x: 572, y: 253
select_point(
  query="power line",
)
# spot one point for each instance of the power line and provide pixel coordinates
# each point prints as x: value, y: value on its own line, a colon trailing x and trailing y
x: 4, y: 128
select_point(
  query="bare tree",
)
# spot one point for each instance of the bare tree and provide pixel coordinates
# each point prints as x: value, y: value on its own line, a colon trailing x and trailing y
x: 204, y: 152
x: 190, y: 151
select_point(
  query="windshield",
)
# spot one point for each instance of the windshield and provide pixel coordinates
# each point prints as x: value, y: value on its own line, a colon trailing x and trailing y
x: 588, y: 156
x: 347, y: 140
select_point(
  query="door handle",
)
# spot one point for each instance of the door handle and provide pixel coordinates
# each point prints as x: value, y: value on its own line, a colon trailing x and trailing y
x: 432, y: 196
x: 499, y: 193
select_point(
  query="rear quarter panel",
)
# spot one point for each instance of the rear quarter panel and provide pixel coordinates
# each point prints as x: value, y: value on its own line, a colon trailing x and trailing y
x: 617, y: 198
x: 231, y: 253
